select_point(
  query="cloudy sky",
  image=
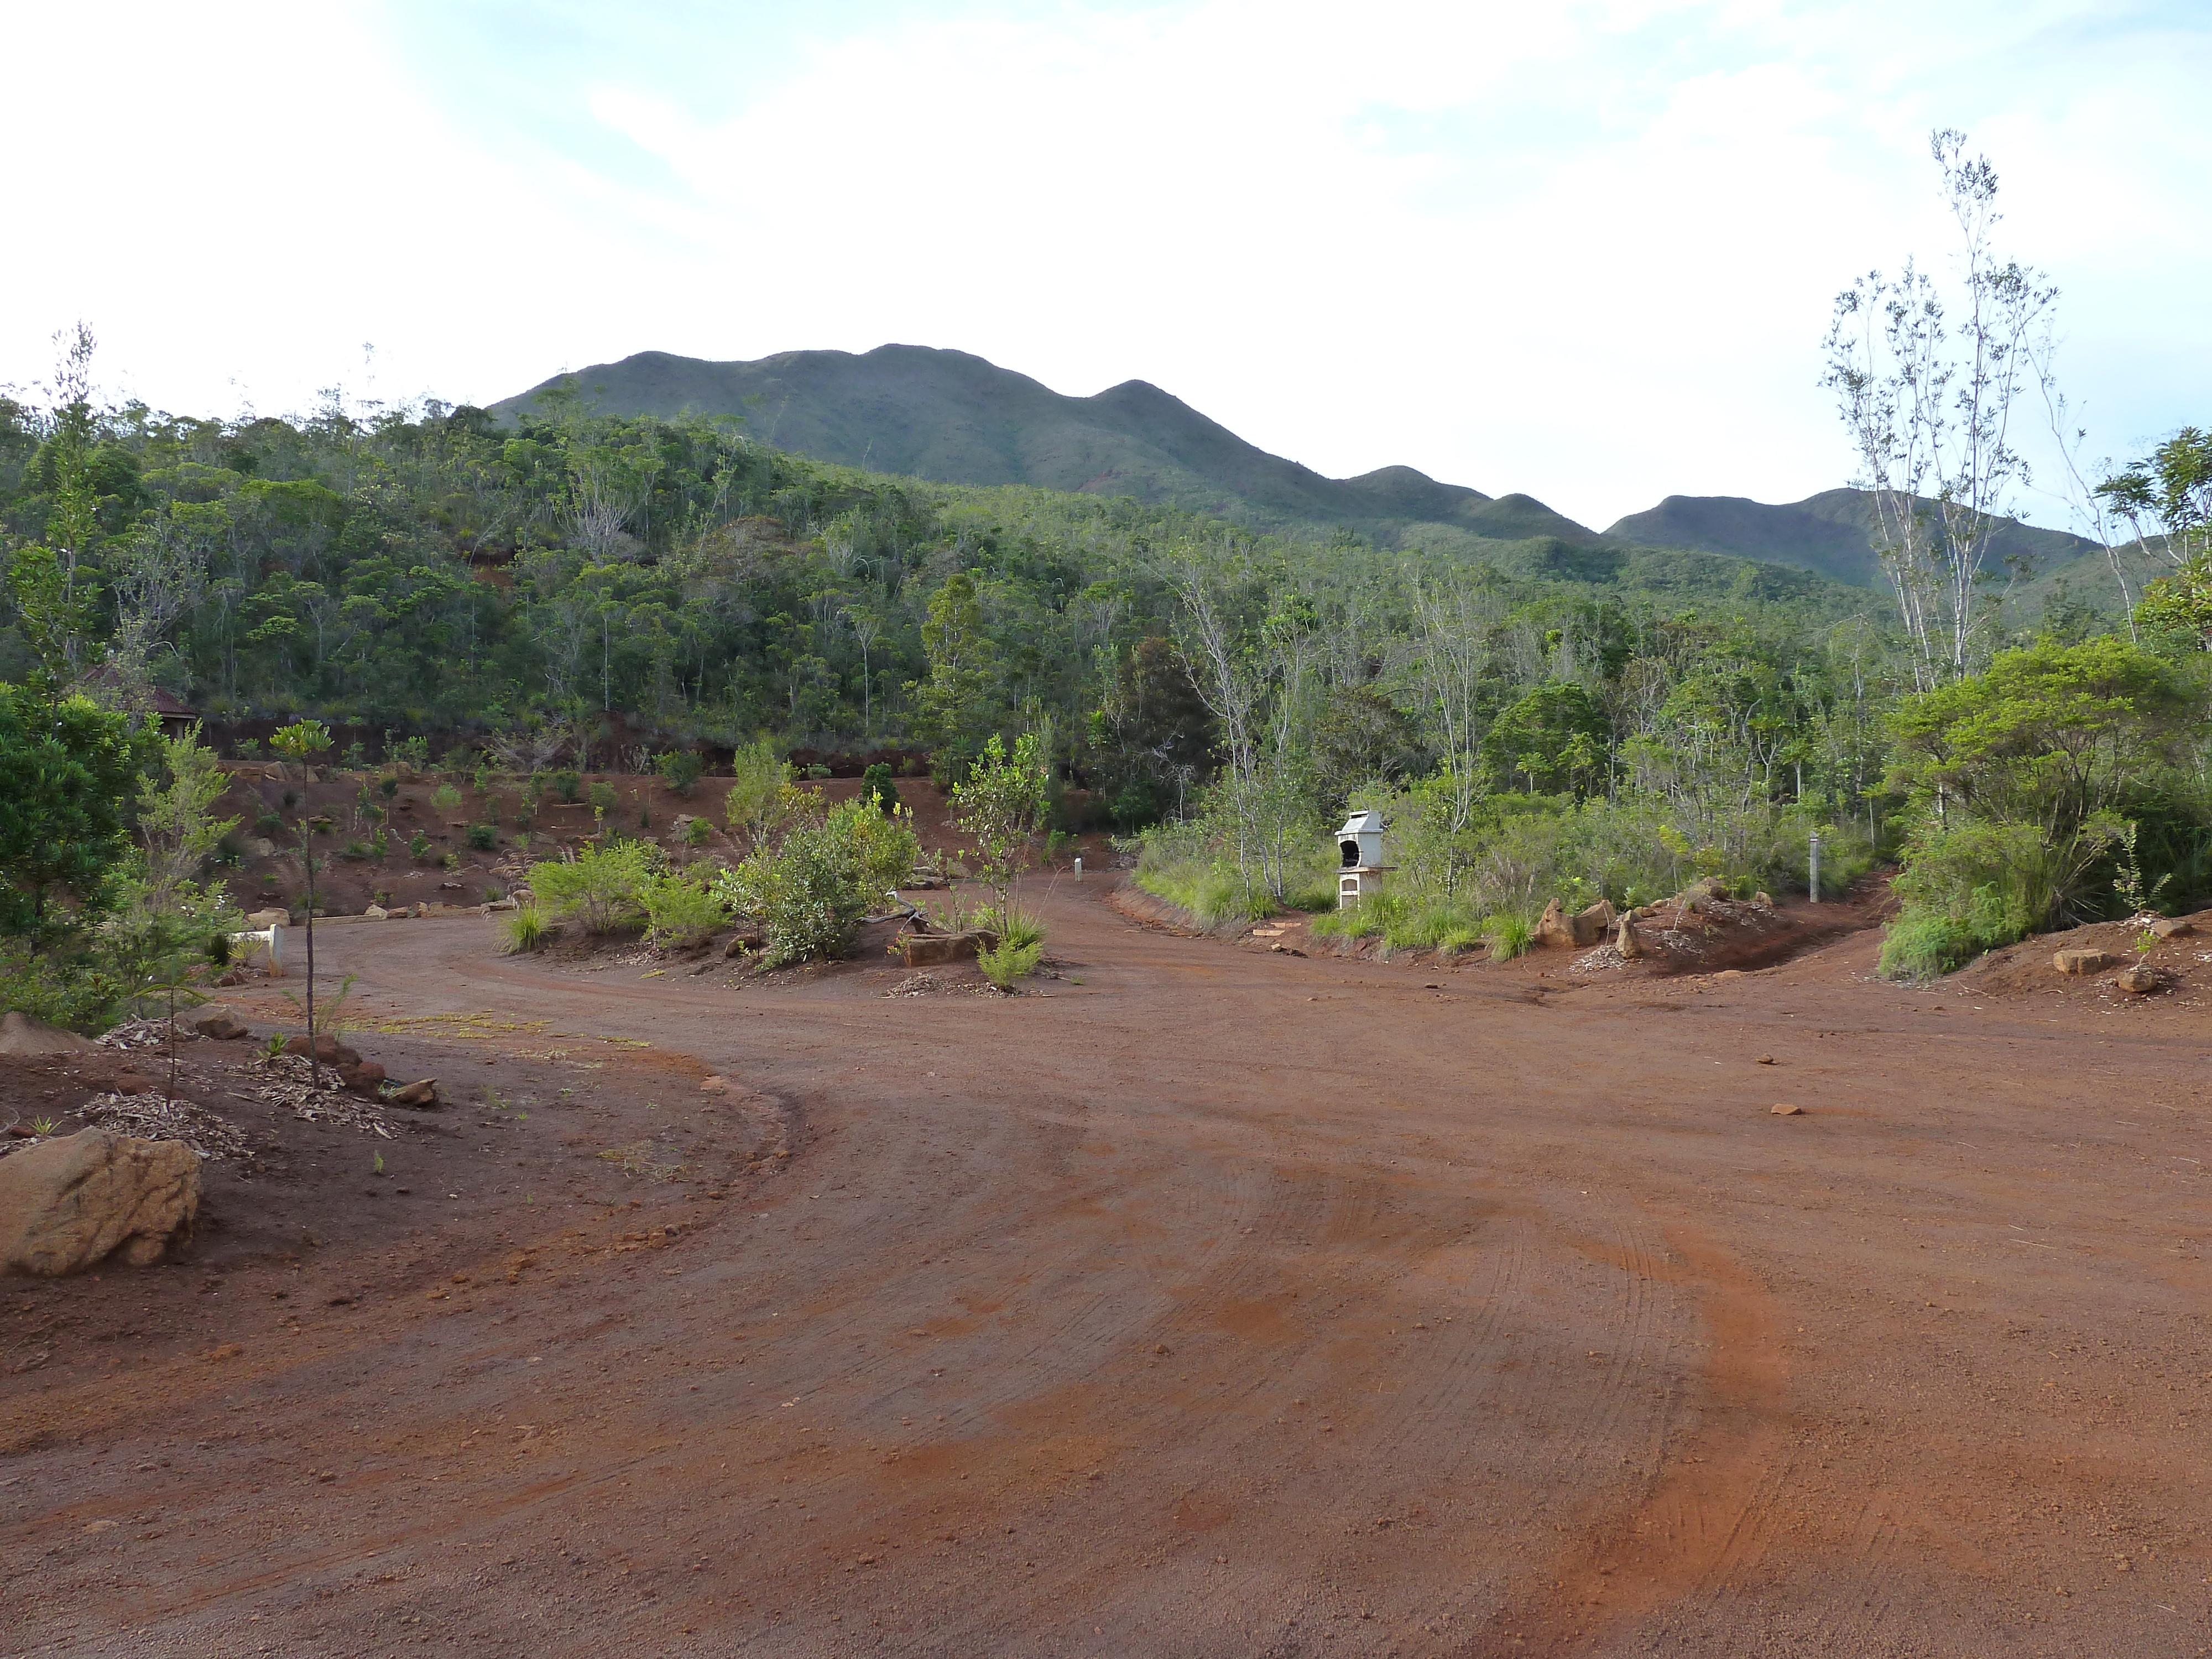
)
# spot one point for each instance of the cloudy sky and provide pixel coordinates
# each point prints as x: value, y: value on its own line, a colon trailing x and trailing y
x: 1585, y: 251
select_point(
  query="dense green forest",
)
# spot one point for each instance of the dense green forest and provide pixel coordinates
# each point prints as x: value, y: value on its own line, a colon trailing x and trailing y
x: 1541, y: 719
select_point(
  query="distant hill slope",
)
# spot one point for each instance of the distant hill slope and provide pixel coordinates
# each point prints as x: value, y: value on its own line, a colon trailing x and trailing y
x: 1833, y: 533
x: 954, y: 418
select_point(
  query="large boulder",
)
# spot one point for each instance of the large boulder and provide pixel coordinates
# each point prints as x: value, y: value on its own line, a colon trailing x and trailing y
x: 1630, y: 946
x: 1593, y: 922
x: 1554, y: 927
x: 71, y: 1204
x: 934, y: 949
x: 2080, y: 961
x: 20, y: 1034
x: 221, y: 1024
x: 2172, y: 927
x: 260, y: 920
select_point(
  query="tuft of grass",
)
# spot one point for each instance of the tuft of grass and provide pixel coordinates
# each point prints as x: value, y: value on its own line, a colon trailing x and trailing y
x: 1013, y: 927
x: 525, y: 930
x: 1456, y: 939
x: 1510, y: 937
x: 1009, y: 962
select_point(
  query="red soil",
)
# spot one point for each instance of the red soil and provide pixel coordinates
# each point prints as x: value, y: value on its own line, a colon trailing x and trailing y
x: 1206, y: 1301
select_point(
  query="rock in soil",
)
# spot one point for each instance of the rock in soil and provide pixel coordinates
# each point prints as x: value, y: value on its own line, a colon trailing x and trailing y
x: 2140, y: 979
x: 422, y: 1095
x: 2084, y: 962
x: 366, y: 1079
x: 1786, y: 1111
x: 328, y: 1049
x: 2172, y: 927
x: 222, y: 1024
x: 71, y: 1204
x: 933, y: 950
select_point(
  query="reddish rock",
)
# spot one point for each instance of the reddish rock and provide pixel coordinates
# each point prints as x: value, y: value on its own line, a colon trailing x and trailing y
x: 2084, y: 962
x: 328, y: 1049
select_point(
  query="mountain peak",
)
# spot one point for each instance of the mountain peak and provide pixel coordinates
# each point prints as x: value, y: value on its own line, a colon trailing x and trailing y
x: 932, y: 412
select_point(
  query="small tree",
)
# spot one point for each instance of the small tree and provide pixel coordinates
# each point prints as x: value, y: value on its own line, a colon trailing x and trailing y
x: 761, y: 800
x: 998, y: 808
x: 296, y: 742
x: 878, y: 789
x: 67, y: 773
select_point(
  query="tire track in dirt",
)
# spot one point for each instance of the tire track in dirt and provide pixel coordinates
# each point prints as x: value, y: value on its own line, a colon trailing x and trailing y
x: 1709, y: 1514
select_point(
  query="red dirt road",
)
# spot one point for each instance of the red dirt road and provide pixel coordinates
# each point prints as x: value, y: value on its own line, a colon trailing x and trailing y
x: 1225, y: 1302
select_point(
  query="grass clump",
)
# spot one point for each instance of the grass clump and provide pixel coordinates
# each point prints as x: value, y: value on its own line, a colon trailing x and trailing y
x: 1013, y: 925
x: 1010, y: 961
x: 524, y: 931
x: 1510, y: 937
x: 482, y: 837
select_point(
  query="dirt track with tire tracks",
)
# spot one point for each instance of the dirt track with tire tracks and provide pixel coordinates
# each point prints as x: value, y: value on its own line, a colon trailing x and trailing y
x: 1224, y: 1303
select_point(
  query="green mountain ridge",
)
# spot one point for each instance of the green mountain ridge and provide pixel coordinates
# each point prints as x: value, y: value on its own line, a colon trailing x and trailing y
x: 953, y: 417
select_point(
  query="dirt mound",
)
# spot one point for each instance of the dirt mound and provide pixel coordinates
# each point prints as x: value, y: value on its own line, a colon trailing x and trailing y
x: 2182, y: 962
x: 20, y: 1034
x: 1697, y: 932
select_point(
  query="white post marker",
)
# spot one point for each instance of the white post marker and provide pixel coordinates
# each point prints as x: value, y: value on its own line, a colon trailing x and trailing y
x: 1816, y: 866
x: 272, y: 938
x: 1078, y: 867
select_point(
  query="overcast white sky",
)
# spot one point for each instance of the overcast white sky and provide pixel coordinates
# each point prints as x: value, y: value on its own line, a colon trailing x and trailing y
x: 1585, y: 251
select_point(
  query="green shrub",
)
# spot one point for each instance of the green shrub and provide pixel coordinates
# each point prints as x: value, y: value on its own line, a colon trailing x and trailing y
x: 524, y: 930
x: 1973, y: 887
x: 63, y: 985
x: 1009, y: 962
x: 602, y: 796
x: 418, y: 846
x: 679, y: 768
x: 679, y: 911
x: 696, y: 832
x: 446, y: 799
x: 568, y: 784
x: 482, y: 837
x: 269, y: 825
x: 808, y: 893
x: 355, y: 849
x: 598, y: 887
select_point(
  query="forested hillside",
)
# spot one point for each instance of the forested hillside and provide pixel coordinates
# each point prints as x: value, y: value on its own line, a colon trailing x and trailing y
x: 439, y: 572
